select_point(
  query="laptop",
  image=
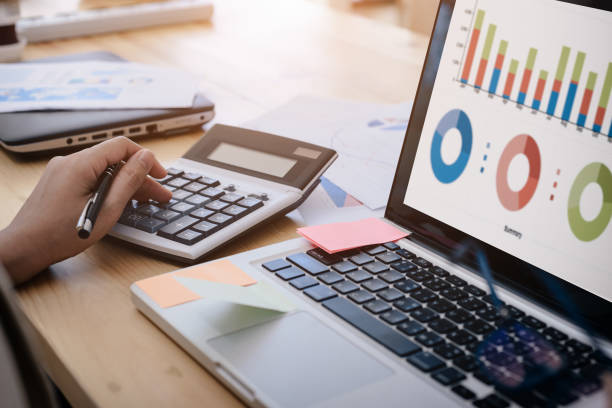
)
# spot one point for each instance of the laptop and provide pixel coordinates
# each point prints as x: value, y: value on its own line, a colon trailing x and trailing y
x: 506, y: 149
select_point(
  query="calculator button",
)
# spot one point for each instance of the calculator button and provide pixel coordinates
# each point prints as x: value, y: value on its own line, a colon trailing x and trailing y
x: 167, y: 215
x: 201, y: 213
x: 197, y: 199
x: 221, y: 219
x: 189, y: 237
x: 132, y: 218
x: 150, y: 224
x: 211, y: 182
x: 232, y: 198
x: 191, y: 176
x: 235, y: 210
x: 212, y: 192
x: 195, y: 187
x: 180, y: 194
x: 182, y: 207
x: 250, y: 203
x: 206, y: 227
x: 147, y: 209
x: 178, y: 182
x: 177, y: 226
x: 164, y: 180
x: 174, y: 171
x: 217, y: 205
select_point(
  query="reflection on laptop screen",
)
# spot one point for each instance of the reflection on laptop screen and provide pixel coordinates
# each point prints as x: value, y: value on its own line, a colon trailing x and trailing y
x: 516, y: 147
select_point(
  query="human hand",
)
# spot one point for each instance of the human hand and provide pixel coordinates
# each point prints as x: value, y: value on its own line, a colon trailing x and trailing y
x: 43, y: 232
x: 607, y: 380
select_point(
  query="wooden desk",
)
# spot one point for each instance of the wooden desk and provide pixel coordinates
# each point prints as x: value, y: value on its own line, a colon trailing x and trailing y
x: 253, y: 56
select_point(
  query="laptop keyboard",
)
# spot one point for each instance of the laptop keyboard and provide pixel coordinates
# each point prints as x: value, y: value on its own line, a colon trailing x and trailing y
x: 430, y: 317
x: 199, y: 207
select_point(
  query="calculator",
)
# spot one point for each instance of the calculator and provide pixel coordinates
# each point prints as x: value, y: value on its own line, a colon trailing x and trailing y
x: 229, y: 182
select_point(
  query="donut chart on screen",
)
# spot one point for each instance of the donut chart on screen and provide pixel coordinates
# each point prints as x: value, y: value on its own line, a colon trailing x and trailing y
x: 589, y: 230
x: 454, y: 119
x: 516, y: 200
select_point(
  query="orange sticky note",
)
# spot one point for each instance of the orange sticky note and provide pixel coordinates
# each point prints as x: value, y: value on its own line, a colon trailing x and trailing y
x: 341, y: 236
x: 166, y: 291
x: 223, y: 271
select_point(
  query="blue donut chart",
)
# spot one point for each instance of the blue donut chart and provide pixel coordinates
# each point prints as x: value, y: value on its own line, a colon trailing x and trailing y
x: 454, y: 119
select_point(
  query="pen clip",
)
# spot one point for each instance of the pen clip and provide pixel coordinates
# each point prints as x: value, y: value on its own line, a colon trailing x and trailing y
x: 81, y: 226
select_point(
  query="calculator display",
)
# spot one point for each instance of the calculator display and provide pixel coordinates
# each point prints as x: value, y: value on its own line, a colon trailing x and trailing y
x: 252, y: 159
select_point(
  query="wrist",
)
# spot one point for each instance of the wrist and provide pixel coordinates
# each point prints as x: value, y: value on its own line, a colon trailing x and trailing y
x: 17, y: 257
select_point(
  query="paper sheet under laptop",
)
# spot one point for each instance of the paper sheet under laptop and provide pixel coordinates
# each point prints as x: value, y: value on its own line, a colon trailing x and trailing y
x: 93, y: 85
x: 367, y: 136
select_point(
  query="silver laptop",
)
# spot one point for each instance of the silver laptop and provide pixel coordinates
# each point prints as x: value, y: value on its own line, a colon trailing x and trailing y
x: 501, y: 294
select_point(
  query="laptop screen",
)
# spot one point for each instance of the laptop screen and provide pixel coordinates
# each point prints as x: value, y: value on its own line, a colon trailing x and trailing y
x: 511, y: 139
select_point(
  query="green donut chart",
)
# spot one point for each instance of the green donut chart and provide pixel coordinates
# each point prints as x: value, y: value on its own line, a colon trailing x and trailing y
x: 589, y: 230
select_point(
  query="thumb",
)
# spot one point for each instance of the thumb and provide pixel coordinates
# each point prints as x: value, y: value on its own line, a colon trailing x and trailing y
x: 130, y: 178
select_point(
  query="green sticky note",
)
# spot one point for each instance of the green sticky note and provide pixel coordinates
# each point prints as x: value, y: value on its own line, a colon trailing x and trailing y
x: 261, y: 295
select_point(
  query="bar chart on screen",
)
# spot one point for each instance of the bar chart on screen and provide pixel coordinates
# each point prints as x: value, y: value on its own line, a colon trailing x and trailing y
x: 552, y: 74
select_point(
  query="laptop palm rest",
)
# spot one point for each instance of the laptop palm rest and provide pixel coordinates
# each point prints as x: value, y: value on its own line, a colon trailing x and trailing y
x: 298, y: 361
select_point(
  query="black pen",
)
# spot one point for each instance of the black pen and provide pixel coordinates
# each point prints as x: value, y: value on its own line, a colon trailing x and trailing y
x: 94, y: 204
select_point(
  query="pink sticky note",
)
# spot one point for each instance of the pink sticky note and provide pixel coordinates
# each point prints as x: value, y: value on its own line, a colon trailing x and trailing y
x: 342, y: 236
x: 223, y: 271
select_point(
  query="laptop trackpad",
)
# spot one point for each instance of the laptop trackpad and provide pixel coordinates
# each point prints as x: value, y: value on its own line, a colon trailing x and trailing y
x: 298, y: 361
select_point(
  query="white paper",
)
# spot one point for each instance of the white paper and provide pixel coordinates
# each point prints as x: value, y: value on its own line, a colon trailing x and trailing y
x: 93, y: 85
x: 367, y: 136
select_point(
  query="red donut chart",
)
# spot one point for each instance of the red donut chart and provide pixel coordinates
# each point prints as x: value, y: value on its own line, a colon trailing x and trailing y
x: 515, y: 200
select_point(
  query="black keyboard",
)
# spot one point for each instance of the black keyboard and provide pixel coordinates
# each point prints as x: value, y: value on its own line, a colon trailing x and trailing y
x: 200, y: 206
x: 430, y: 317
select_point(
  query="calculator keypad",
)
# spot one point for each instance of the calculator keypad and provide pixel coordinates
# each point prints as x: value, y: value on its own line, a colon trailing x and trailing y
x: 199, y: 207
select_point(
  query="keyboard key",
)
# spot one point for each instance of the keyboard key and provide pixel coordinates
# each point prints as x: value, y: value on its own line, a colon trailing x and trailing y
x: 375, y: 250
x: 453, y: 294
x: 358, y: 276
x: 404, y: 253
x: 308, y: 263
x: 555, y: 334
x: 181, y: 194
x: 148, y: 209
x: 177, y: 226
x: 344, y: 267
x: 320, y: 293
x: 515, y: 313
x: 425, y: 361
x: 178, y: 182
x: 492, y: 401
x: 448, y: 351
x: 376, y: 267
x: 533, y: 322
x: 472, y: 304
x: 463, y: 392
x: 461, y: 337
x: 371, y: 326
x: 276, y: 265
x: 404, y: 266
x: 390, y: 295
x: 164, y: 180
x: 407, y: 285
x: 439, y: 272
x: 489, y: 314
x: 391, y: 276
x: 455, y: 280
x: 442, y: 326
x: 211, y: 182
x: 303, y: 282
x: 422, y: 263
x: 150, y: 225
x: 191, y: 176
x: 207, y: 228
x: 195, y: 187
x: 388, y: 257
x: 473, y: 290
x: 330, y: 278
x: 423, y: 295
x: 250, y: 203
x: 188, y: 237
x: 232, y: 198
x: 289, y: 273
x: 459, y: 316
x: 419, y: 275
x: 428, y: 339
x: 466, y: 363
x: 448, y: 376
x: 212, y: 192
x: 361, y: 259
x: 174, y: 171
x: 361, y: 296
x: 576, y: 346
x: 217, y: 205
x: 407, y: 305
x: 374, y: 285
x: 411, y: 328
x: 441, y: 305
x: 323, y: 257
x: 424, y: 315
x: 221, y: 219
x: 436, y: 284
x: 478, y: 326
x: 394, y: 317
x: 197, y: 199
x: 182, y: 208
x: 377, y: 306
x: 345, y: 287
x: 201, y: 213
x: 391, y: 246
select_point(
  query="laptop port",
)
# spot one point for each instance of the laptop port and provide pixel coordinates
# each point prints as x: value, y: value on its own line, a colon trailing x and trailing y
x: 98, y: 136
x: 69, y: 141
x: 151, y: 128
x: 118, y: 132
x: 82, y: 139
x: 134, y: 129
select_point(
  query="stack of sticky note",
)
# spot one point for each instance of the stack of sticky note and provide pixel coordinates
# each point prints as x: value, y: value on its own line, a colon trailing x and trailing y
x: 342, y: 236
x: 219, y: 280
